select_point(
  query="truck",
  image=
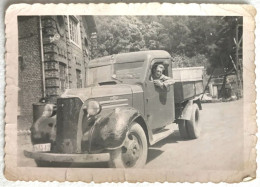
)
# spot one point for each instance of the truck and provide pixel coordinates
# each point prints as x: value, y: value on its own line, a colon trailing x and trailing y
x: 119, y: 114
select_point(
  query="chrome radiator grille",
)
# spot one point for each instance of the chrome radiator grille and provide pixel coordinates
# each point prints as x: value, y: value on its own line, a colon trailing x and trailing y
x: 67, y: 124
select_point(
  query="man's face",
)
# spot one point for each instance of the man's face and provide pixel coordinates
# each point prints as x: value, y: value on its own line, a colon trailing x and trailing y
x: 158, y: 71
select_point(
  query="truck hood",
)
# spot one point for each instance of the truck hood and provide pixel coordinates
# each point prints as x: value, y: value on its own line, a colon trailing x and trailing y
x: 101, y: 91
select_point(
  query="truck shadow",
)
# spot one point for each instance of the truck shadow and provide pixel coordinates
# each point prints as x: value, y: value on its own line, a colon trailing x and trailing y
x: 90, y: 165
x: 152, y: 154
x: 173, y: 138
x: 154, y: 151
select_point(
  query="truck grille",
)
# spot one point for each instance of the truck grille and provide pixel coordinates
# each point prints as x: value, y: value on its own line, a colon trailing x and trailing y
x: 67, y: 124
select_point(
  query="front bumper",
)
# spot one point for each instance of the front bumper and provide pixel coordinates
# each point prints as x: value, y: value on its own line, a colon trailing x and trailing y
x: 73, y: 158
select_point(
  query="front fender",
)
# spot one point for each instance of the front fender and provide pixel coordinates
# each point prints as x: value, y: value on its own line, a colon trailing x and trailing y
x: 110, y: 128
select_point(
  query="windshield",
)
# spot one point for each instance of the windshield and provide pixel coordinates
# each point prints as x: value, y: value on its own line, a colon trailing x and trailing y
x: 126, y: 72
x: 99, y: 74
x: 129, y: 71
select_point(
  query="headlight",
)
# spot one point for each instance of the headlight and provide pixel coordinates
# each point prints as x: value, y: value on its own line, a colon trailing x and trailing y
x: 48, y: 110
x: 93, y: 107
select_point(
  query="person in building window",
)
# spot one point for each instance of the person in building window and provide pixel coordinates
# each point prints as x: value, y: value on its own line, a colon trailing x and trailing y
x: 159, y: 78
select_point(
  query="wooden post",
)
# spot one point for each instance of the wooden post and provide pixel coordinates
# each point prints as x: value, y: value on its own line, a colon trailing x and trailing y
x: 238, y: 42
x: 207, y: 83
x: 237, y: 79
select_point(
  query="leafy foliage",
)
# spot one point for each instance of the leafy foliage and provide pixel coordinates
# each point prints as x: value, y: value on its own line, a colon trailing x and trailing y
x: 192, y: 41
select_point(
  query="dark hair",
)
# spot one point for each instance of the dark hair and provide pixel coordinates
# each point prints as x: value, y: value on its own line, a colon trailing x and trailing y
x: 155, y: 67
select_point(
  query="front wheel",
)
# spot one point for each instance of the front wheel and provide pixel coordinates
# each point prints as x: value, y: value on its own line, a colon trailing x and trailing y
x: 133, y: 153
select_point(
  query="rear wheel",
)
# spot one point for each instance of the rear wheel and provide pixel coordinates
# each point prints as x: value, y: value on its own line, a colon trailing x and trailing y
x: 133, y: 153
x: 193, y: 125
x: 183, y: 128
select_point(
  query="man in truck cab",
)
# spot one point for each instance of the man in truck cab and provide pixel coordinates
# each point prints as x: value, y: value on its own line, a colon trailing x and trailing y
x: 159, y: 78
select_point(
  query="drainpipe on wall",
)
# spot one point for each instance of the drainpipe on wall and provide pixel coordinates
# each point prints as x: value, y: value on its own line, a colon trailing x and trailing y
x: 42, y: 59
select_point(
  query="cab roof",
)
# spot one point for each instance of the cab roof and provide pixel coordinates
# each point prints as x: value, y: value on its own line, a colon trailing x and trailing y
x: 129, y: 57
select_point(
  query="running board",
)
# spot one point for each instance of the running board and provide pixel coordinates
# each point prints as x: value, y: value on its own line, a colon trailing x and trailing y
x: 165, y: 132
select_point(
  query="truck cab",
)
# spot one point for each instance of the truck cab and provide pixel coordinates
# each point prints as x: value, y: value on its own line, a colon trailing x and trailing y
x: 120, y: 114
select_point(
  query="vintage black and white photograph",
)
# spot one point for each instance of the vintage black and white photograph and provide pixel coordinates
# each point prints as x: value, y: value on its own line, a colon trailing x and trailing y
x: 131, y: 91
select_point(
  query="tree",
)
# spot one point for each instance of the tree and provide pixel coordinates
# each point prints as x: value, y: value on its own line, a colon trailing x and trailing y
x: 191, y: 40
x: 117, y: 34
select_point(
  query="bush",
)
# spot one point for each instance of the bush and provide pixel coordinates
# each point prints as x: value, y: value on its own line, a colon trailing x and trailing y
x: 180, y: 61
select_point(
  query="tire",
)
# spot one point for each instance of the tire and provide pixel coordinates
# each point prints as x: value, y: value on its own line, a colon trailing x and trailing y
x: 193, y: 125
x: 183, y: 129
x: 133, y: 153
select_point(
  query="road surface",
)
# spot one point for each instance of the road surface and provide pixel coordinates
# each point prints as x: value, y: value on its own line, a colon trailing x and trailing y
x: 219, y: 147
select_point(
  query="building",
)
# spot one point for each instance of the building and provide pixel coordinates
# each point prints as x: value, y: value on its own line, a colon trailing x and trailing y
x: 53, y: 55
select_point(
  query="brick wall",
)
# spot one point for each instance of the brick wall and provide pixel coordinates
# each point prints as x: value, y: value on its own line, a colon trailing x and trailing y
x: 30, y: 76
x: 59, y: 51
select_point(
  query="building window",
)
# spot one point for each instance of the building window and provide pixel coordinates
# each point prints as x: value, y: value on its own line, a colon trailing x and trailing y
x: 74, y: 30
x: 62, y: 76
x: 79, y: 80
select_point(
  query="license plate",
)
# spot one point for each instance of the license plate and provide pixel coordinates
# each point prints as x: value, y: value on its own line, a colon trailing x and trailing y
x: 42, y: 147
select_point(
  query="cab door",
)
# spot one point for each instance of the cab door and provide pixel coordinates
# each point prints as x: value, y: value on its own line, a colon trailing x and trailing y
x: 159, y: 102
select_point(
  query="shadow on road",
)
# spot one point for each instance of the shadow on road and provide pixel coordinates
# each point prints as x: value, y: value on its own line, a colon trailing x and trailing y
x: 173, y: 138
x: 152, y: 154
x: 155, y: 151
x: 77, y: 165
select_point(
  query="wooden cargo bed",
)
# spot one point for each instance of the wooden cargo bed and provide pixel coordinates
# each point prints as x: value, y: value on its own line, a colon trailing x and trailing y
x: 188, y: 83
